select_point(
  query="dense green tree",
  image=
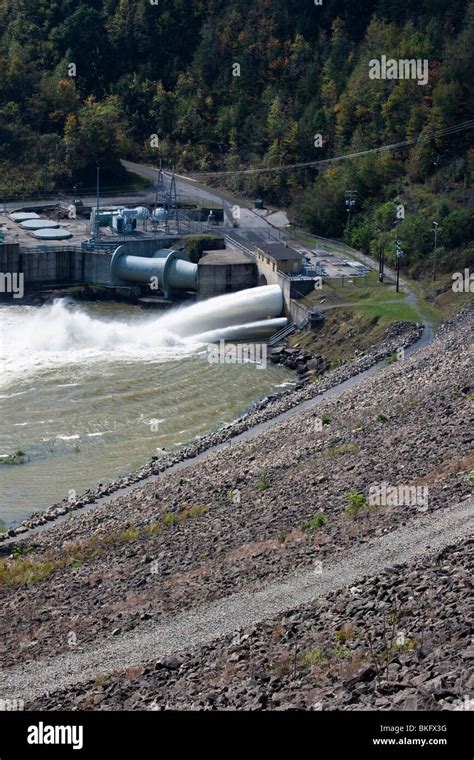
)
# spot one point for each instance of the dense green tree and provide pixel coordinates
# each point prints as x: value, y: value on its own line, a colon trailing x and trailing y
x: 236, y: 84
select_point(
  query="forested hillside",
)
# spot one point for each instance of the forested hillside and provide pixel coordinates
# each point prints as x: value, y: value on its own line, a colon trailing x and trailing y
x: 87, y: 81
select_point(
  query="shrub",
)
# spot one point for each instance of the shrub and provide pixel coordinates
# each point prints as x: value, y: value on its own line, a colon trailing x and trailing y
x: 169, y: 518
x: 318, y: 521
x: 129, y: 534
x: 196, y: 245
x: 341, y: 652
x: 18, y: 457
x: 23, y: 570
x: 154, y: 529
x: 21, y: 551
x: 313, y: 657
x: 344, y: 634
x: 173, y: 518
x: 356, y: 502
x: 346, y: 448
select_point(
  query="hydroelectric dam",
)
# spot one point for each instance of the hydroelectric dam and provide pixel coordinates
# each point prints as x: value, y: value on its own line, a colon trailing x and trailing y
x: 164, y: 278
x: 169, y: 266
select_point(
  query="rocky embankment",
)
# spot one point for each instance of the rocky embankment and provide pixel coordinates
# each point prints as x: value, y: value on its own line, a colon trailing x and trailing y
x: 305, y: 365
x: 254, y: 511
x: 399, y: 641
x: 400, y: 335
x: 273, y: 502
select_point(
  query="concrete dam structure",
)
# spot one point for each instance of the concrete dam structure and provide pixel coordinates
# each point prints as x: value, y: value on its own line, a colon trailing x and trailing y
x: 138, y: 270
x: 171, y: 269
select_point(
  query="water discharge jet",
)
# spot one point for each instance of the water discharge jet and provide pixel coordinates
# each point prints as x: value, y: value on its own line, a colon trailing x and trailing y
x: 38, y: 339
x: 261, y: 330
x: 238, y: 309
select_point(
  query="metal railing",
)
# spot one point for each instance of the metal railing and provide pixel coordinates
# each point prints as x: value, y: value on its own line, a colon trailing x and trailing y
x: 282, y: 334
x: 237, y: 244
x: 95, y: 248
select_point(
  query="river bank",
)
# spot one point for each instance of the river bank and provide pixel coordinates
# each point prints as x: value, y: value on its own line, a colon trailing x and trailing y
x: 399, y: 336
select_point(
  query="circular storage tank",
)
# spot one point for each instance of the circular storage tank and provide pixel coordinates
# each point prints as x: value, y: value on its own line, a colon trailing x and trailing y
x: 140, y: 212
x: 59, y: 233
x: 39, y: 224
x: 160, y: 215
x: 23, y: 216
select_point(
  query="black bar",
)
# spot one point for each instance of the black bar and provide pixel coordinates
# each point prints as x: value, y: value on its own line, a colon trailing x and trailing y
x: 133, y: 734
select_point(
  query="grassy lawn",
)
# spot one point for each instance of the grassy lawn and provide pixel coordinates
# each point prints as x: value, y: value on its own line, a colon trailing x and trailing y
x: 359, y: 310
x: 390, y: 312
x: 431, y: 307
x: 367, y: 296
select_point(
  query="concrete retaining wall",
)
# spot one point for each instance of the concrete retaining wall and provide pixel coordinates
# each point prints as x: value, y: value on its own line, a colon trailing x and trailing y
x: 285, y: 285
x: 69, y: 264
x: 298, y: 312
x: 214, y: 281
x: 10, y: 258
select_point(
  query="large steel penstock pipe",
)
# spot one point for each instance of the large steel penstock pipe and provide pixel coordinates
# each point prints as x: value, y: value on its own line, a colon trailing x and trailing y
x: 171, y: 268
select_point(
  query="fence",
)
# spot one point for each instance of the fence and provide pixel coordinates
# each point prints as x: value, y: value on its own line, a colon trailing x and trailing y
x: 232, y: 241
x: 92, y: 248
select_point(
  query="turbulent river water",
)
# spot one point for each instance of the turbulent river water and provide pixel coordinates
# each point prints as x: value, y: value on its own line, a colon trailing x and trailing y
x: 91, y: 391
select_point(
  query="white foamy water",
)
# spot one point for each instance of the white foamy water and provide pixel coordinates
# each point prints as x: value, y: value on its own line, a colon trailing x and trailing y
x: 34, y: 339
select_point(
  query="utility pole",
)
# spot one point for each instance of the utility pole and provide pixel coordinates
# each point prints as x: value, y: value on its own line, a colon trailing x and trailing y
x: 381, y: 255
x: 174, y: 199
x: 399, y: 256
x: 156, y: 187
x: 381, y: 263
x: 398, y: 249
x: 350, y: 202
x: 435, y: 230
x: 97, y: 233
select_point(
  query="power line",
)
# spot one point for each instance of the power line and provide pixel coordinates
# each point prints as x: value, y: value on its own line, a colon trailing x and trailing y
x: 455, y: 128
